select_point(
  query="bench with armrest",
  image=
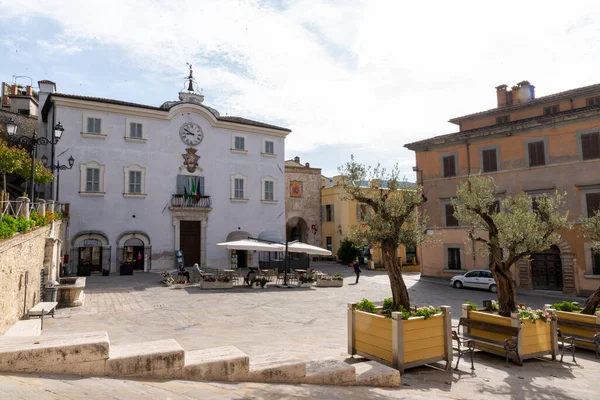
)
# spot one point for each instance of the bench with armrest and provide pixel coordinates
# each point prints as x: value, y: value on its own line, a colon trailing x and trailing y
x: 568, y: 339
x: 506, y: 346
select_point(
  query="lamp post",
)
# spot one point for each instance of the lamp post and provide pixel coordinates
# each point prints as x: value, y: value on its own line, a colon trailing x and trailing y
x: 11, y: 129
x: 58, y: 167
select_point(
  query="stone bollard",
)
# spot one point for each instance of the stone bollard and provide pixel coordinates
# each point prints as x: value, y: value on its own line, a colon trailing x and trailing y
x: 42, y: 207
x: 24, y: 208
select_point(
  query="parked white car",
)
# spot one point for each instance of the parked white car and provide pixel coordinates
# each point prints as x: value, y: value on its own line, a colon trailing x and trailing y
x: 479, y: 279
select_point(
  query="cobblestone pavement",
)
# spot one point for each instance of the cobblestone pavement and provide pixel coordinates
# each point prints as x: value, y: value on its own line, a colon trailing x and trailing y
x: 310, y: 323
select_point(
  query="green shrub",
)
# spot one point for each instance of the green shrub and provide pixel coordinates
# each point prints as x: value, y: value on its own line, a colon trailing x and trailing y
x: 427, y: 312
x: 366, y: 306
x: 338, y: 277
x: 348, y: 251
x: 472, y: 306
x: 24, y: 225
x: 567, y: 306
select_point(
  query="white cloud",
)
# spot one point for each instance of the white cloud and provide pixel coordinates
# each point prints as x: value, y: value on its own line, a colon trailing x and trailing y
x: 365, y: 74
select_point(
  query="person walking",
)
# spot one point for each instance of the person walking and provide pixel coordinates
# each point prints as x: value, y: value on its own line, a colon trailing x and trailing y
x: 357, y: 271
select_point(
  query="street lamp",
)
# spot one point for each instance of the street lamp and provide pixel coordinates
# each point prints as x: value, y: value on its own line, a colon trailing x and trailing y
x: 58, y: 168
x: 11, y: 129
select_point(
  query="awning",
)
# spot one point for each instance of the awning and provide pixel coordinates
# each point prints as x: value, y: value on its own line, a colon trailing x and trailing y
x: 299, y: 247
x: 246, y: 244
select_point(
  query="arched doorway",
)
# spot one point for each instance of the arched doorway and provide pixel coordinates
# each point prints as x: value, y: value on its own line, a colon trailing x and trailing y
x: 239, y: 258
x: 90, y: 253
x: 546, y: 270
x: 296, y: 229
x: 133, y: 247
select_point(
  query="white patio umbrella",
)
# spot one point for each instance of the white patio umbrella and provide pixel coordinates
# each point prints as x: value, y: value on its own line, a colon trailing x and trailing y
x: 247, y: 244
x: 299, y: 247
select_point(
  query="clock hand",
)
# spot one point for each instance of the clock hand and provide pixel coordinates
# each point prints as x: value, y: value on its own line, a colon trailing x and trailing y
x: 187, y: 132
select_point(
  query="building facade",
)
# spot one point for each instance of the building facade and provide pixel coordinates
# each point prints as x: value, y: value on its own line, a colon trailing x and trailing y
x: 527, y: 144
x: 149, y: 181
x: 340, y: 213
x: 303, y: 202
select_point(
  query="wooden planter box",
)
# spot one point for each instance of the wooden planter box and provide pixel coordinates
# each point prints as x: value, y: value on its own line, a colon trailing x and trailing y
x: 535, y: 339
x: 398, y: 343
x: 329, y: 283
x: 216, y: 285
x: 575, y: 331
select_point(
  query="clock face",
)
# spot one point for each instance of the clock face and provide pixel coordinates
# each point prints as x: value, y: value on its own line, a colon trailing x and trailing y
x: 191, y: 133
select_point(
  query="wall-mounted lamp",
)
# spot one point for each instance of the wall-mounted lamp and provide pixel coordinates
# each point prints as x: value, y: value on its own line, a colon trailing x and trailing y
x: 415, y: 169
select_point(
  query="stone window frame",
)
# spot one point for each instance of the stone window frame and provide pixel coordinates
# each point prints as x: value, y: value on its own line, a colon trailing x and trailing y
x: 84, y: 126
x: 245, y: 179
x: 586, y: 189
x: 461, y: 248
x: 546, y: 150
x: 83, y: 167
x: 489, y: 147
x: 239, y: 151
x: 263, y: 180
x: 128, y: 137
x: 589, y: 262
x: 451, y: 153
x: 578, y: 136
x: 136, y: 168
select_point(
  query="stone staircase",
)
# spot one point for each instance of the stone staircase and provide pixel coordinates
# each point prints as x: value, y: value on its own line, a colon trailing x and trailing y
x: 91, y: 354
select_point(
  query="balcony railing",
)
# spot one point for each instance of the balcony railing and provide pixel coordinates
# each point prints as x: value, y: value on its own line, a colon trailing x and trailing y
x: 184, y: 200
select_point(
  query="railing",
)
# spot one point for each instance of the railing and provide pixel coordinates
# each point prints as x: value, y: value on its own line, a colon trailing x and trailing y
x: 22, y: 207
x: 12, y: 208
x: 184, y: 200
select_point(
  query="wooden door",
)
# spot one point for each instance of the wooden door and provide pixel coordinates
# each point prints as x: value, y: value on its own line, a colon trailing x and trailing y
x: 546, y: 270
x: 189, y: 241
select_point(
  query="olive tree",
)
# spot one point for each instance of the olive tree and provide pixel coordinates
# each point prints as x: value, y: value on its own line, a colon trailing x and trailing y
x: 392, y: 218
x: 515, y: 230
x: 591, y: 230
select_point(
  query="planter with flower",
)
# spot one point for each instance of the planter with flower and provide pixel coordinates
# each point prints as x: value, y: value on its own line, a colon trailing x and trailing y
x: 576, y: 329
x: 306, y: 280
x: 400, y: 338
x: 326, y: 280
x: 219, y: 281
x: 180, y: 283
x: 527, y: 333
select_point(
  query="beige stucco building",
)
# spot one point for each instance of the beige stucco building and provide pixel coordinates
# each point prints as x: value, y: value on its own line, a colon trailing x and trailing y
x: 536, y: 145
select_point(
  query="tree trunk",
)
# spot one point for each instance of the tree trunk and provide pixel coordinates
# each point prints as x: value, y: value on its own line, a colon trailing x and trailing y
x: 507, y: 295
x: 592, y: 303
x: 399, y: 290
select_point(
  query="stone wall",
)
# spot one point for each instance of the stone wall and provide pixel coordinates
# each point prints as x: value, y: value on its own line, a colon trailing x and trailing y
x: 22, y: 258
x: 304, y: 211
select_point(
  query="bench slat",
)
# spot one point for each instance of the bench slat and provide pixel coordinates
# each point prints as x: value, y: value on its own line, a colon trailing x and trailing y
x: 512, y: 331
x: 579, y: 324
x: 47, y: 306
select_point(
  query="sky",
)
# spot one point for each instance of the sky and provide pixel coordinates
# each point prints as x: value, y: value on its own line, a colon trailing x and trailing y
x: 346, y: 76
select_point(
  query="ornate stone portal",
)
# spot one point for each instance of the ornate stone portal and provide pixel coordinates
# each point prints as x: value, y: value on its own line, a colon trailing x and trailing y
x: 191, y: 214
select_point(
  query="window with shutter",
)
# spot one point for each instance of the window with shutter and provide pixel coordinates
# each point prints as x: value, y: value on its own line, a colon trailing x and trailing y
x: 489, y: 160
x: 93, y: 125
x: 592, y: 201
x: 450, y: 219
x: 590, y: 145
x: 537, y: 154
x: 449, y: 166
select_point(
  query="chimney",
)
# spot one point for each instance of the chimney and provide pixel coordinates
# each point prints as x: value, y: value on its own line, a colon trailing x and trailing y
x: 515, y: 95
x: 307, y: 165
x: 28, y: 91
x: 14, y: 90
x: 297, y: 159
x: 502, y: 95
x: 523, y: 92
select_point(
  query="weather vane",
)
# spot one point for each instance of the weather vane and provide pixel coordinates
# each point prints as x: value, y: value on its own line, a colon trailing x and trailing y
x: 190, y: 80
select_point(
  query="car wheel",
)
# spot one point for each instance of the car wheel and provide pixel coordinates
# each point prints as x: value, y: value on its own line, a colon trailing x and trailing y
x: 458, y: 284
x: 494, y: 288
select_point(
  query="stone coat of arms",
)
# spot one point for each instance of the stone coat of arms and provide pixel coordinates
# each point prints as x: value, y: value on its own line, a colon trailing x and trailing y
x: 190, y: 159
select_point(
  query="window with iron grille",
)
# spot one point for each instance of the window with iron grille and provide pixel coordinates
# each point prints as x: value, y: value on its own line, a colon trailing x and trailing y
x: 454, y: 258
x: 449, y: 165
x: 590, y: 145
x: 240, y: 143
x: 94, y: 125
x: 551, y: 109
x: 92, y: 182
x: 135, y: 182
x: 450, y: 218
x: 135, y: 130
x: 489, y: 160
x: 537, y: 155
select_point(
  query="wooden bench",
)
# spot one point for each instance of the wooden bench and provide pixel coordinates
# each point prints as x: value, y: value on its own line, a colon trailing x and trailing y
x: 41, y: 309
x: 568, y: 340
x: 508, y: 345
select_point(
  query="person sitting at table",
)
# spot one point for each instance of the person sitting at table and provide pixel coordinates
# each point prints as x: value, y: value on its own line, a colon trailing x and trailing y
x: 182, y: 271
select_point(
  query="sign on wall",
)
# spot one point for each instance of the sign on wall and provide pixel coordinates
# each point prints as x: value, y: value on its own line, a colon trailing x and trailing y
x: 295, y: 189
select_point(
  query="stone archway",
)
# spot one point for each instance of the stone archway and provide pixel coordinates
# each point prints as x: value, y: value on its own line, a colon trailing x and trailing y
x: 90, y: 251
x: 567, y: 264
x: 296, y: 229
x: 141, y: 241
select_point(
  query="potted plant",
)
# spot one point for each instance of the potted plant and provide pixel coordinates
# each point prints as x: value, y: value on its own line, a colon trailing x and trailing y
x: 370, y: 331
x: 326, y: 280
x: 180, y: 283
x: 306, y: 280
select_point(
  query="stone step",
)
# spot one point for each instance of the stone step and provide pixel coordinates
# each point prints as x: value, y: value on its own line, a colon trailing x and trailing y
x: 329, y: 372
x: 372, y: 373
x: 26, y: 327
x: 73, y: 353
x: 158, y: 359
x: 278, y: 367
x: 219, y: 364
